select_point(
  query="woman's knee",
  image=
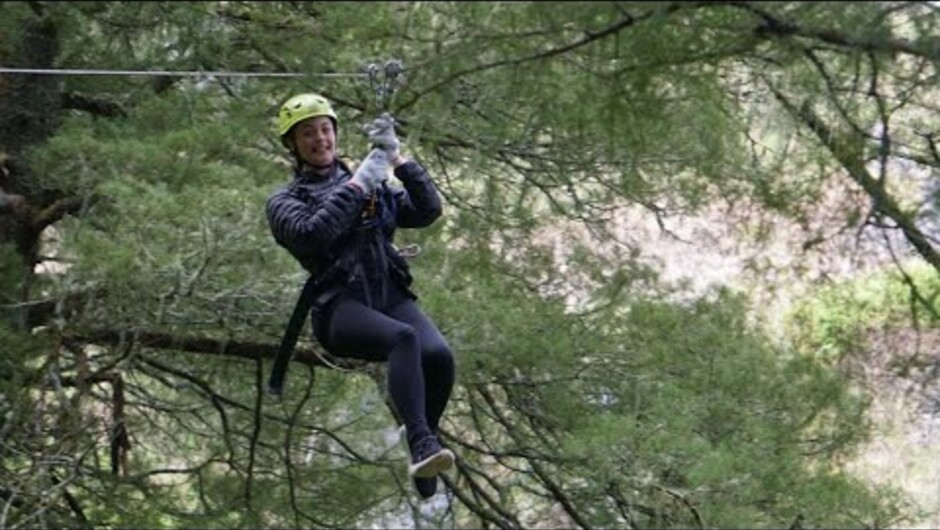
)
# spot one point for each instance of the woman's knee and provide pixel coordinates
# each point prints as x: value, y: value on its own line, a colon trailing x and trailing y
x: 405, y: 339
x: 438, y: 356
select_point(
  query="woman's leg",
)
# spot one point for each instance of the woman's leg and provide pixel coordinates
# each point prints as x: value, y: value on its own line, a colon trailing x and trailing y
x: 437, y: 363
x: 355, y: 330
x: 437, y: 359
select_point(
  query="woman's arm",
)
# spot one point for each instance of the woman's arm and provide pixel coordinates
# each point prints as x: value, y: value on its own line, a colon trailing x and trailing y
x: 420, y: 204
x: 306, y: 229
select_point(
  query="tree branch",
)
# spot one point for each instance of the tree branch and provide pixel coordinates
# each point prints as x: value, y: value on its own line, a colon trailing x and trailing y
x: 72, y: 502
x: 56, y: 211
x: 223, y: 347
x: 38, y: 312
x: 95, y: 106
x: 550, y: 485
x: 589, y: 37
x: 841, y: 148
x: 500, y: 517
x: 120, y: 441
x: 778, y: 27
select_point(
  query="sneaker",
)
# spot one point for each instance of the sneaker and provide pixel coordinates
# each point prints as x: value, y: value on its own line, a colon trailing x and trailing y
x: 426, y: 487
x: 429, y: 458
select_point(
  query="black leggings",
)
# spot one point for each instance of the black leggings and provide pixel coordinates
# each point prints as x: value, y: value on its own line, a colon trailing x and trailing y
x: 420, y: 362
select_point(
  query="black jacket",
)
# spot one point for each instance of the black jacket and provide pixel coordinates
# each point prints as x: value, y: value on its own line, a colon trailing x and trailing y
x: 342, y: 236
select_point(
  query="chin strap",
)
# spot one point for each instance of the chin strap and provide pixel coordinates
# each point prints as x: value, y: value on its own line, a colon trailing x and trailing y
x: 306, y: 168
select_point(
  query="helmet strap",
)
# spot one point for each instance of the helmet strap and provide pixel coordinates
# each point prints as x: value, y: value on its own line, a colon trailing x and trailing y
x: 305, y: 167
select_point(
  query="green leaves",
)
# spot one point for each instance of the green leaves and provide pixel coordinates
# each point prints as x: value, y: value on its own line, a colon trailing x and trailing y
x: 834, y: 321
x: 584, y: 381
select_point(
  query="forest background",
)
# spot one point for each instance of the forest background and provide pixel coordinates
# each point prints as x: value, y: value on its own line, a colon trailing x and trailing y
x: 688, y: 264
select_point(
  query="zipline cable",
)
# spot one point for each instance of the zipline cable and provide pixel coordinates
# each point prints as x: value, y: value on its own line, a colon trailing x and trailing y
x: 171, y: 73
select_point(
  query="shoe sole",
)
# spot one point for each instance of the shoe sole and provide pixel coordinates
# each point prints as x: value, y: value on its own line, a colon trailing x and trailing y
x: 432, y: 465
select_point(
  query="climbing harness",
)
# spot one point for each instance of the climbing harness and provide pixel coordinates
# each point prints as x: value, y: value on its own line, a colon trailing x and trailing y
x: 291, y: 333
x: 312, y: 296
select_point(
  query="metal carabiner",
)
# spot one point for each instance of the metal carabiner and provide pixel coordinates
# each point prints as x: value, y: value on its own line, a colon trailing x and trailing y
x: 393, y: 69
x: 382, y: 92
x: 372, y: 70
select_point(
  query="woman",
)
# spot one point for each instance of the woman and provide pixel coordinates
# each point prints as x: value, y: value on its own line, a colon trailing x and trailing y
x: 339, y: 225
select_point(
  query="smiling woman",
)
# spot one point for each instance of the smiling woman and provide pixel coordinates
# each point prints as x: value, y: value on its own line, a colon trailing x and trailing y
x: 340, y: 227
x: 315, y: 141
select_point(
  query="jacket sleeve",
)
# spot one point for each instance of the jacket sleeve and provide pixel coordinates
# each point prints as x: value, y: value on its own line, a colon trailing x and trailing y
x: 308, y: 229
x: 419, y: 204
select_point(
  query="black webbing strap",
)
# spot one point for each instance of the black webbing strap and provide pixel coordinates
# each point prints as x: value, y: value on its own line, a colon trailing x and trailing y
x: 291, y: 333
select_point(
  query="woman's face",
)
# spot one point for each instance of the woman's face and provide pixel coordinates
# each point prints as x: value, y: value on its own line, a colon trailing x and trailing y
x: 315, y: 140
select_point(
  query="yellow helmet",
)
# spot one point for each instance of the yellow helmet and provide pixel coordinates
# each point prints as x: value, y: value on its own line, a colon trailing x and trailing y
x: 301, y: 107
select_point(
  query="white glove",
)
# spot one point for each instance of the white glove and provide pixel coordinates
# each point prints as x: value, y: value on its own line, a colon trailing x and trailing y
x: 372, y: 171
x: 382, y: 135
